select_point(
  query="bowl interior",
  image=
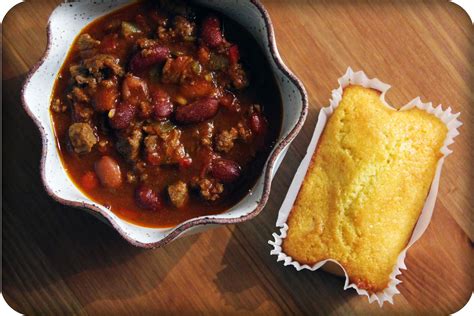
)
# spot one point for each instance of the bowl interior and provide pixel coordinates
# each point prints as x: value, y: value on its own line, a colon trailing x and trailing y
x: 65, y: 23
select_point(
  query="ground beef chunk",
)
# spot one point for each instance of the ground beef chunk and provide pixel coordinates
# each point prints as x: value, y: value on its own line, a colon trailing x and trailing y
x: 164, y: 148
x: 225, y: 140
x: 204, y: 133
x: 131, y: 177
x: 98, y: 63
x: 57, y: 106
x: 178, y: 193
x: 184, y: 28
x: 85, y: 41
x: 210, y: 189
x: 76, y: 70
x: 128, y: 143
x: 80, y: 95
x: 238, y: 76
x: 81, y: 77
x: 91, y: 82
x: 82, y: 137
x: 165, y: 34
x: 144, y: 43
x: 245, y: 133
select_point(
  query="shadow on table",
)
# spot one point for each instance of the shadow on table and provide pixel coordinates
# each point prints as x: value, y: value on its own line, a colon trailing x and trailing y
x: 46, y: 244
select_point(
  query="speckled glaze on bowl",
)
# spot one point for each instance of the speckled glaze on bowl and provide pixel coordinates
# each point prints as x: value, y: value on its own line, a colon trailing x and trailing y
x: 65, y: 23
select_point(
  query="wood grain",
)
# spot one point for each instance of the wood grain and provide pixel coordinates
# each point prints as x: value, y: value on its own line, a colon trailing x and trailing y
x: 58, y: 260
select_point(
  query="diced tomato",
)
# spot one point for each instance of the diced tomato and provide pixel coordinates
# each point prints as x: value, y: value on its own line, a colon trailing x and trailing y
x: 105, y: 98
x: 89, y: 181
x: 234, y: 54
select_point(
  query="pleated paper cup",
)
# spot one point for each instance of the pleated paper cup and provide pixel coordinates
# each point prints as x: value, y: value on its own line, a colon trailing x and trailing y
x: 446, y: 116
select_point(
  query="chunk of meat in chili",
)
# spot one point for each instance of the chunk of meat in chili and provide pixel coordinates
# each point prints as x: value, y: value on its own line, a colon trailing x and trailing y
x: 128, y: 143
x: 184, y: 28
x: 178, y: 193
x: 58, y: 106
x: 80, y: 95
x: 82, y: 137
x: 210, y: 189
x: 98, y: 64
x: 85, y: 41
x: 164, y: 148
x: 204, y: 132
x: 225, y: 140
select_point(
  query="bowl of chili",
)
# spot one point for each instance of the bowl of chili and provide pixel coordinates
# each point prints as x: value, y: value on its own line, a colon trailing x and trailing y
x: 164, y: 118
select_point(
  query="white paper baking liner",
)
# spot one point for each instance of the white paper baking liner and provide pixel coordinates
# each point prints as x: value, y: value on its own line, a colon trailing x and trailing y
x: 359, y: 78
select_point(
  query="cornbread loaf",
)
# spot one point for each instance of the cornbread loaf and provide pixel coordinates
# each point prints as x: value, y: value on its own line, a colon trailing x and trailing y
x: 365, y: 187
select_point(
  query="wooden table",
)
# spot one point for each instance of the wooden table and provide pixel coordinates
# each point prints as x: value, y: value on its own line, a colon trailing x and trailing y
x: 59, y: 260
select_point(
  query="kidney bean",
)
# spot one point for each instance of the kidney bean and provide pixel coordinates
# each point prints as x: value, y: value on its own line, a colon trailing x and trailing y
x: 257, y: 123
x: 197, y: 111
x: 108, y: 172
x: 162, y: 106
x: 211, y: 32
x: 225, y: 170
x: 148, y: 57
x: 105, y: 98
x: 147, y: 198
x: 122, y: 115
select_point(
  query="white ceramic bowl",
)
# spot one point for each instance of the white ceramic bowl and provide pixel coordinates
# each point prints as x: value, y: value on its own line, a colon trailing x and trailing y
x: 65, y: 23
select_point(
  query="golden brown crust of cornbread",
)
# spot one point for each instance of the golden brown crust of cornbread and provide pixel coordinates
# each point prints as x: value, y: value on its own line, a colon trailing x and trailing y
x: 365, y: 187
